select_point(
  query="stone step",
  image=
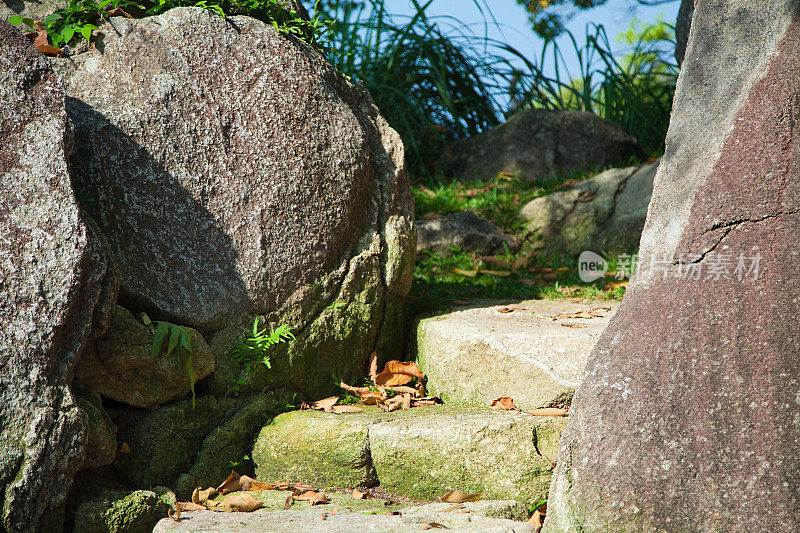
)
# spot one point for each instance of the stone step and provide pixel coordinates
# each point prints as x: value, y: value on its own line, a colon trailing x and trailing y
x: 350, y: 516
x: 421, y: 453
x: 473, y: 356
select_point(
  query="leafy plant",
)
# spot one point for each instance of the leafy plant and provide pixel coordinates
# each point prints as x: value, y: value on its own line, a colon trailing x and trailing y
x: 178, y: 339
x: 77, y: 21
x: 253, y: 349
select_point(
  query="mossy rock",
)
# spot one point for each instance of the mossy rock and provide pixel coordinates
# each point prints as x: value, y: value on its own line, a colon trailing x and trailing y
x: 124, y: 512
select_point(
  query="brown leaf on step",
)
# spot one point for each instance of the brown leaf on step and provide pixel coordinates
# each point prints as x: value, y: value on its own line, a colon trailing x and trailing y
x: 200, y: 497
x: 219, y: 507
x: 372, y: 398
x: 258, y: 485
x: 346, y: 409
x: 243, y: 502
x: 597, y: 312
x: 119, y: 12
x: 427, y: 400
x: 434, y: 525
x: 175, y: 514
x: 467, y: 273
x: 355, y: 390
x: 433, y: 215
x: 405, y: 389
x: 397, y: 373
x: 372, y: 366
x: 498, y: 273
x: 393, y: 404
x: 505, y: 403
x: 536, y: 520
x: 235, y: 483
x: 188, y: 507
x: 358, y: 495
x: 325, y: 404
x: 288, y: 502
x: 455, y: 496
x: 125, y: 448
x: 548, y: 411
x: 312, y: 496
x: 572, y: 325
x: 45, y: 47
x: 406, y: 401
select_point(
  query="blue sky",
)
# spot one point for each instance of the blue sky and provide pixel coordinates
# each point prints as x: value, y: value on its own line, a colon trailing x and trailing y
x: 514, y: 28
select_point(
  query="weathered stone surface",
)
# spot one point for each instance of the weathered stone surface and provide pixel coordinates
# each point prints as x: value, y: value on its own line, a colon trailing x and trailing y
x: 605, y: 213
x: 230, y: 442
x: 36, y: 10
x: 101, y: 442
x: 682, y: 26
x: 474, y: 356
x: 315, y: 447
x: 466, y: 230
x: 121, y: 512
x: 50, y: 268
x: 310, y: 521
x: 120, y: 365
x: 686, y: 378
x: 163, y: 442
x: 540, y: 144
x: 421, y: 452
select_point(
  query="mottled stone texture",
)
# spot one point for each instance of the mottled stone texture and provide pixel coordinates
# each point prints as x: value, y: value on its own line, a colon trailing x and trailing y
x: 50, y: 271
x: 540, y: 144
x: 34, y: 10
x: 236, y: 173
x: 687, y: 419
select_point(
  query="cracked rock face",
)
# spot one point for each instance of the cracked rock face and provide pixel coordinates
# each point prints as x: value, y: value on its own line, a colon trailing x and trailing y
x: 605, y: 213
x: 693, y: 371
x: 236, y: 174
x: 50, y: 271
x: 540, y: 144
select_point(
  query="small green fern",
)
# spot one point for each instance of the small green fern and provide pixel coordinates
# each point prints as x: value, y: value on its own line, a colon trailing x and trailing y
x: 253, y: 349
x: 180, y: 339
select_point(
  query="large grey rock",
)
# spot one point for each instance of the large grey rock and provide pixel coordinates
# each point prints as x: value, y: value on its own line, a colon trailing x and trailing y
x: 236, y: 173
x: 540, y: 144
x: 421, y: 452
x: 605, y: 213
x: 466, y: 230
x: 120, y: 365
x: 50, y: 267
x: 36, y: 10
x: 687, y: 419
x: 474, y: 356
x: 121, y: 512
x: 682, y: 26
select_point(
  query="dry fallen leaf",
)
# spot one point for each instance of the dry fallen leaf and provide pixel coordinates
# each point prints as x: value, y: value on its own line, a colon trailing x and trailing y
x: 235, y: 483
x: 325, y: 404
x: 427, y: 400
x: 257, y: 485
x: 373, y: 398
x: 434, y: 525
x: 219, y: 507
x: 312, y: 496
x: 504, y: 403
x: 537, y: 521
x: 455, y: 496
x: 355, y: 390
x: 125, y: 448
x: 358, y: 495
x: 372, y: 366
x: 397, y: 373
x: 572, y: 325
x: 433, y: 215
x: 548, y: 411
x: 393, y: 404
x: 243, y: 502
x: 190, y: 506
x: 406, y: 401
x: 617, y: 284
x: 346, y: 409
x: 45, y: 47
x: 200, y: 497
x: 597, y: 312
x: 175, y: 514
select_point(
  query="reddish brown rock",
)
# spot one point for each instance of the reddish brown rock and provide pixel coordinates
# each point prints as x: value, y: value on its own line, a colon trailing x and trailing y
x: 689, y: 415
